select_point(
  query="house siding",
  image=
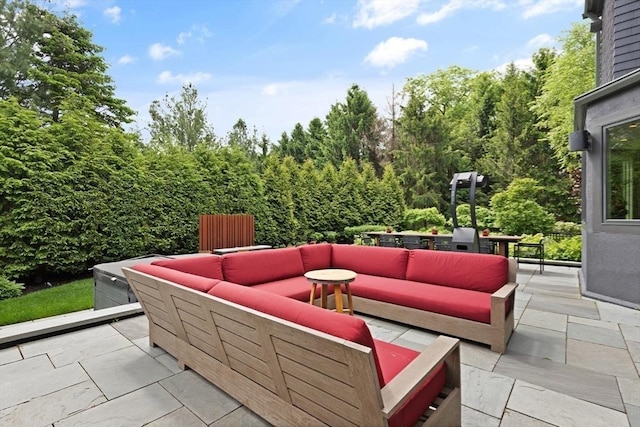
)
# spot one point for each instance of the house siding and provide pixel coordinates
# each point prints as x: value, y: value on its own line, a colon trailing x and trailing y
x: 626, y: 36
x: 606, y: 45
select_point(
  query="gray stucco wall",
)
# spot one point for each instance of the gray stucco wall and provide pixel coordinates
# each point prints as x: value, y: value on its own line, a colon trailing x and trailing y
x: 611, y: 250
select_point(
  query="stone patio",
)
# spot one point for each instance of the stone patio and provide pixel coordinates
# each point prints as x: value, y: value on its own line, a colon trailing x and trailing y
x: 571, y: 361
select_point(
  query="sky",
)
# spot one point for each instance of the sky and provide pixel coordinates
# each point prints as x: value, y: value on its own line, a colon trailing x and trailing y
x: 274, y: 63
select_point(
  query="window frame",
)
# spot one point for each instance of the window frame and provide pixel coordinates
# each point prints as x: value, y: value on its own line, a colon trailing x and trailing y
x: 605, y: 172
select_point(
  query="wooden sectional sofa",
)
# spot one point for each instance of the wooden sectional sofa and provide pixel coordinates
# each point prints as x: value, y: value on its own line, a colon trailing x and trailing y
x: 243, y: 321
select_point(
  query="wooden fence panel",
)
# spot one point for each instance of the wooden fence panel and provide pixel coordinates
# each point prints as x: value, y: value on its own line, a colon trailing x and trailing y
x: 226, y: 231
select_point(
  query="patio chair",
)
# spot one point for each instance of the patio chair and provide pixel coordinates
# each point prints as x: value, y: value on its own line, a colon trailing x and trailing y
x: 530, y: 250
x: 388, y: 241
x: 442, y: 243
x: 487, y: 246
x: 412, y: 242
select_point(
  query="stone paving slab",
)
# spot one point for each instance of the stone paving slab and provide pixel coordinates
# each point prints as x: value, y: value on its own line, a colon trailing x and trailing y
x: 9, y: 355
x: 178, y: 418
x: 473, y: 418
x: 205, y: 400
x: 122, y: 371
x: 240, y: 417
x: 484, y: 391
x: 538, y: 342
x: 569, y: 306
x: 516, y: 419
x: 630, y: 333
x: 544, y: 319
x: 41, y: 383
x: 600, y: 358
x: 596, y: 335
x: 562, y: 410
x: 134, y: 409
x: 581, y: 383
x: 55, y: 406
x: 82, y: 345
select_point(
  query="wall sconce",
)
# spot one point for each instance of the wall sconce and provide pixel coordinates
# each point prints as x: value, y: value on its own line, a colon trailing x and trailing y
x: 579, y: 140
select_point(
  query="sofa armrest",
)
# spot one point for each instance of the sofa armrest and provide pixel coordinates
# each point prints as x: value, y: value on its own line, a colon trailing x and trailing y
x: 505, y: 291
x: 401, y: 387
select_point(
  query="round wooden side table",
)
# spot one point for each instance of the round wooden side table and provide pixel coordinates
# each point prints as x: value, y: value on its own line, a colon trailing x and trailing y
x: 331, y: 277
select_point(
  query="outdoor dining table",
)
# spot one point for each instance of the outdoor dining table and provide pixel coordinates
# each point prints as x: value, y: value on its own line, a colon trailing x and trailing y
x: 502, y: 241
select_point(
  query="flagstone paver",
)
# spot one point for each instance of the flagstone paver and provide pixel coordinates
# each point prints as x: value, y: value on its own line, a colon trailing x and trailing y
x: 9, y: 355
x: 596, y: 335
x: 124, y: 370
x: 600, y: 358
x: 485, y: 391
x: 562, y: 410
x: 543, y: 319
x: 516, y: 419
x: 538, y: 342
x: 471, y: 417
x: 181, y: 417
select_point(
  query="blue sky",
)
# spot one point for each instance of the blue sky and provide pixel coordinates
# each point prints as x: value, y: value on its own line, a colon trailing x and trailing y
x: 275, y: 63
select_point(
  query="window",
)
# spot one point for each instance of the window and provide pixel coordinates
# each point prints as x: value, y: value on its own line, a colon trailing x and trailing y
x: 622, y: 175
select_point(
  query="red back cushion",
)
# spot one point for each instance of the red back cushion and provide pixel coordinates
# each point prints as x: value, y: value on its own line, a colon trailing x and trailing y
x: 251, y: 268
x: 374, y: 260
x: 316, y: 257
x: 201, y: 265
x: 192, y: 281
x: 478, y: 272
x: 342, y: 326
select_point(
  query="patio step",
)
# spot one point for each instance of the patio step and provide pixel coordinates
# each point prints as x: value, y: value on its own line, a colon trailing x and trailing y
x: 20, y: 332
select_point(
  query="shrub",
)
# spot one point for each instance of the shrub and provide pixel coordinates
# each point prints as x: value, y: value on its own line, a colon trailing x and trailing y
x: 419, y: 219
x: 569, y: 249
x: 9, y: 288
x: 484, y: 216
x: 516, y: 210
x: 571, y: 228
x: 355, y: 232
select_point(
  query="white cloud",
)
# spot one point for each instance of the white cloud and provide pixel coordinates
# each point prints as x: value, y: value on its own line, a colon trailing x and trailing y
x: 194, y: 78
x: 126, y: 59
x: 394, y: 51
x: 452, y: 6
x: 275, y: 89
x: 113, y: 13
x: 521, y: 64
x: 544, y: 7
x: 197, y: 32
x: 330, y: 19
x: 158, y: 51
x: 71, y: 4
x: 540, y: 41
x: 375, y: 13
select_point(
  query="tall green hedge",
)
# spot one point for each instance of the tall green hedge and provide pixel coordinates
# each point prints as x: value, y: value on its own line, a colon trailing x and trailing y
x: 77, y: 192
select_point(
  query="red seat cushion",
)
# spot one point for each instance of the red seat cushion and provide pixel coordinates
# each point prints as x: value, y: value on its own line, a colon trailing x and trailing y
x: 478, y: 272
x: 374, y: 260
x: 339, y: 325
x: 192, y: 281
x: 316, y: 257
x: 296, y: 287
x: 393, y: 359
x: 251, y: 268
x: 462, y: 303
x: 201, y: 265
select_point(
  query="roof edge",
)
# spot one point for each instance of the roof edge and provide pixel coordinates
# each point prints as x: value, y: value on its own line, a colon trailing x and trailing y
x: 581, y: 102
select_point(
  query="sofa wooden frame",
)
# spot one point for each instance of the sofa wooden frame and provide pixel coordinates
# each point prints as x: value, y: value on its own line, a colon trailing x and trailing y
x: 287, y: 373
x: 496, y: 333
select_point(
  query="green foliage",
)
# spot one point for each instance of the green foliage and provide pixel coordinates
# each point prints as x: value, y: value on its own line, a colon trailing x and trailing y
x: 357, y: 230
x: 9, y: 288
x: 517, y: 212
x: 562, y: 227
x: 68, y: 298
x: 572, y: 74
x: 421, y: 219
x: 180, y: 122
x: 569, y: 249
x: 484, y: 217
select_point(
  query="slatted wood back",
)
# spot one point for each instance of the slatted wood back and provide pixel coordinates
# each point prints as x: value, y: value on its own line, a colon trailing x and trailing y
x: 226, y: 231
x: 331, y: 379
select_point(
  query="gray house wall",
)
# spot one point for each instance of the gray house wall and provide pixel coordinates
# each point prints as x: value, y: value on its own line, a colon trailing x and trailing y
x: 610, y: 249
x: 626, y: 47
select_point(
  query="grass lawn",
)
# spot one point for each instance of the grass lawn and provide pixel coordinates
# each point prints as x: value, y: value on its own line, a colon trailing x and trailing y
x: 62, y: 299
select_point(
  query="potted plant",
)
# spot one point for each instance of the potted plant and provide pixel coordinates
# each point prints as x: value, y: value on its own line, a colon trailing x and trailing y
x: 434, y: 230
x: 389, y: 229
x: 485, y: 232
